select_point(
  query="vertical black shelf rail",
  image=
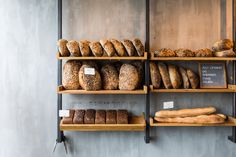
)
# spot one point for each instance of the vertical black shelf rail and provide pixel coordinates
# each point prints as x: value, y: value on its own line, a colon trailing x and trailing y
x: 233, y: 137
x: 60, y: 135
x: 147, y: 96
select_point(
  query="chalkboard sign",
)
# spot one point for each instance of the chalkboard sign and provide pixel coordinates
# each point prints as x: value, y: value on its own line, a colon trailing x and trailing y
x: 212, y: 75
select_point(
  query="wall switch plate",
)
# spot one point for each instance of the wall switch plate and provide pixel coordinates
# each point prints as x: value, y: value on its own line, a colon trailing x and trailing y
x: 64, y: 113
x: 168, y: 104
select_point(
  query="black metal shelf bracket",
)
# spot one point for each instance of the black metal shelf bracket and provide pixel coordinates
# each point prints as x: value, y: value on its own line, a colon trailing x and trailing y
x: 233, y: 136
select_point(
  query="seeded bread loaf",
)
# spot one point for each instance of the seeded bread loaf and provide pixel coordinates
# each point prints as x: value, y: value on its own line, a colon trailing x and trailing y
x: 100, y: 117
x: 122, y: 117
x: 138, y: 46
x: 89, y: 117
x: 184, y: 75
x: 79, y: 117
x: 175, y: 77
x: 193, y: 79
x: 70, y: 74
x: 222, y: 45
x: 139, y: 66
x: 96, y: 48
x: 73, y: 47
x: 119, y: 47
x: 155, y: 75
x: 184, y: 53
x: 110, y: 77
x: 84, y: 48
x: 129, y: 47
x: 165, y: 53
x: 108, y: 47
x: 63, y: 48
x: 203, y: 53
x: 164, y: 75
x: 111, y: 117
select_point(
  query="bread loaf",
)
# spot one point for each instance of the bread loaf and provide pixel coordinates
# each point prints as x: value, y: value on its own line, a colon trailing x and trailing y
x: 185, y: 112
x: 193, y: 78
x: 128, y: 77
x: 100, y: 117
x: 73, y: 47
x: 79, y: 117
x: 89, y: 117
x: 138, y: 46
x: 89, y: 81
x: 184, y: 53
x: 119, y: 47
x: 96, y: 48
x: 68, y: 120
x: 205, y: 119
x: 203, y: 53
x: 84, y: 48
x: 111, y: 117
x: 63, y: 48
x: 222, y: 45
x: 139, y: 66
x: 108, y: 47
x: 225, y: 53
x: 110, y: 77
x: 129, y: 47
x: 122, y: 117
x: 164, y: 75
x: 184, y: 75
x: 155, y: 75
x: 165, y: 53
x: 175, y: 77
x: 70, y: 75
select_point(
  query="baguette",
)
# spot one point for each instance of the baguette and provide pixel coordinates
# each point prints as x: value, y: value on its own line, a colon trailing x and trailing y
x: 210, y: 119
x: 185, y: 112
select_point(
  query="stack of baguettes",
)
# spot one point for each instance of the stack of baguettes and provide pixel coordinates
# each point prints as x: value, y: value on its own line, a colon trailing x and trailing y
x: 205, y: 115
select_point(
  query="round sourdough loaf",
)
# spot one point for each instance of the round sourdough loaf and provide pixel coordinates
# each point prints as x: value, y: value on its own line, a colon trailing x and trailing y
x: 184, y: 53
x: 165, y: 53
x: 138, y: 46
x: 175, y: 77
x: 119, y: 47
x: 108, y: 47
x: 70, y: 75
x: 89, y: 81
x: 155, y: 75
x: 139, y: 67
x: 222, y: 45
x: 84, y: 48
x: 63, y: 48
x: 73, y: 47
x: 203, y: 53
x: 96, y: 48
x: 110, y: 77
x: 164, y: 75
x: 128, y: 77
x: 129, y: 47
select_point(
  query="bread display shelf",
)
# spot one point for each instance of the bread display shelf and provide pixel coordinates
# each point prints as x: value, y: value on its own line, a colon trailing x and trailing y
x: 61, y: 90
x: 192, y: 58
x: 136, y: 123
x: 224, y: 90
x: 230, y: 122
x: 104, y: 57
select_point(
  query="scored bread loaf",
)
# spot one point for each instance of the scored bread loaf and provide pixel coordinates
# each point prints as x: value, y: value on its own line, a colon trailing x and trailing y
x: 110, y: 77
x: 139, y: 67
x: 96, y: 48
x: 129, y: 47
x: 79, y: 117
x: 175, y: 77
x: 193, y: 78
x: 164, y: 75
x: 89, y: 81
x: 84, y: 48
x: 73, y: 47
x: 138, y: 46
x: 111, y: 117
x: 100, y: 117
x: 68, y: 120
x: 89, y: 116
x: 203, y: 53
x: 184, y: 75
x: 222, y: 45
x: 128, y: 77
x: 155, y: 75
x: 122, y: 117
x: 184, y: 53
x: 165, y: 52
x: 108, y: 47
x: 207, y: 119
x: 119, y: 47
x: 185, y: 112
x: 225, y: 53
x: 70, y: 74
x: 63, y: 48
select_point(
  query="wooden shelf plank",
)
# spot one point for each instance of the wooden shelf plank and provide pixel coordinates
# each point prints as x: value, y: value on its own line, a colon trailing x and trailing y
x: 230, y: 122
x: 192, y: 58
x: 136, y: 123
x: 61, y: 90
x: 104, y: 58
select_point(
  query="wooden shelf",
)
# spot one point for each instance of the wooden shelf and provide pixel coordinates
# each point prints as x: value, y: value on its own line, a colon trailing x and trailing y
x: 61, y: 90
x: 230, y: 122
x: 136, y: 123
x: 192, y: 58
x: 104, y: 58
x: 226, y: 90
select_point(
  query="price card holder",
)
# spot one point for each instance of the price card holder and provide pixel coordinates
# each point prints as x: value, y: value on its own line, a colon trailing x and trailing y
x: 212, y: 75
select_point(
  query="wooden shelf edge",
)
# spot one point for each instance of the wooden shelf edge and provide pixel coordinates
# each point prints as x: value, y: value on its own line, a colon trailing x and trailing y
x: 230, y: 122
x: 191, y: 58
x: 137, y: 124
x: 144, y: 57
x: 61, y: 90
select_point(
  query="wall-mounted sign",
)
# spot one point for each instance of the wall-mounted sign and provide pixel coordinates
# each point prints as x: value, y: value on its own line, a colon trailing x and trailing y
x: 212, y: 75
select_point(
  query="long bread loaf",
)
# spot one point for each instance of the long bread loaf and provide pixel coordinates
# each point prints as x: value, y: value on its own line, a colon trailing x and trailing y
x: 185, y: 112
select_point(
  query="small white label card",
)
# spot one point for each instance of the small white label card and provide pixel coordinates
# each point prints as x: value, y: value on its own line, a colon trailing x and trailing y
x: 64, y: 113
x: 89, y: 71
x: 168, y: 105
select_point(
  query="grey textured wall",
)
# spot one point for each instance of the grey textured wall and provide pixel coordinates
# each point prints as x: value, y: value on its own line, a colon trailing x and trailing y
x: 28, y: 73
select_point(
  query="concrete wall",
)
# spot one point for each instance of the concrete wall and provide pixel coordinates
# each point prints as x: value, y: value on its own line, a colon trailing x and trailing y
x: 28, y: 77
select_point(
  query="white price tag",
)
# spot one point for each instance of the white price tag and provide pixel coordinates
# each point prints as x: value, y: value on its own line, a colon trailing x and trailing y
x: 89, y: 71
x: 64, y: 113
x: 168, y: 105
